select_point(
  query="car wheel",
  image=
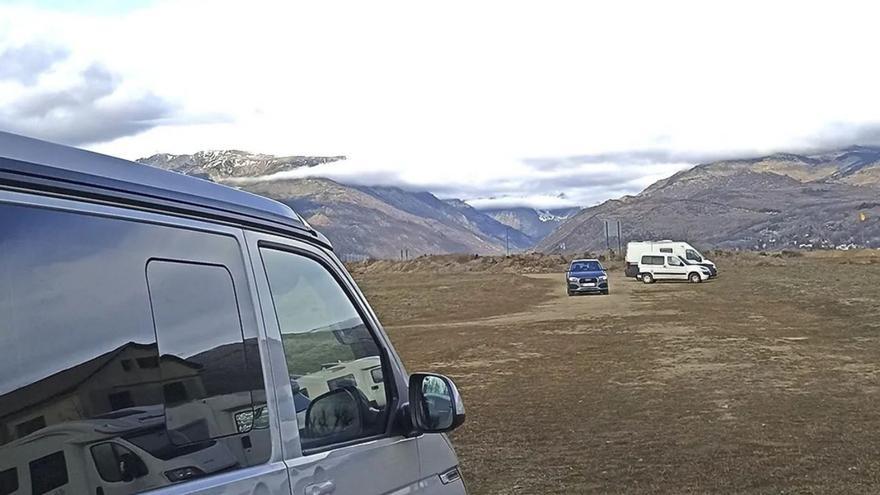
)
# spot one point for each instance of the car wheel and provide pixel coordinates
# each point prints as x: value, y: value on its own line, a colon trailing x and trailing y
x: 695, y: 278
x: 647, y: 278
x: 639, y: 277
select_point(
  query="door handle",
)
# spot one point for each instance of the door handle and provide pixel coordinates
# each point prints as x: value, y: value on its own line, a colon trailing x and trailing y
x: 323, y: 488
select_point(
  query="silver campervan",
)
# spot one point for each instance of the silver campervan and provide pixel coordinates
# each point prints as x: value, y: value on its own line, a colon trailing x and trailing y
x: 165, y: 334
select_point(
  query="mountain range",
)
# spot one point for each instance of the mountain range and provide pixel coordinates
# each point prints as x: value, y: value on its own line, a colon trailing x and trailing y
x: 784, y: 200
x: 371, y: 221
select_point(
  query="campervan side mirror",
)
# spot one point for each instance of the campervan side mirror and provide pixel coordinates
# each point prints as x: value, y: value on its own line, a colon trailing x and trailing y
x: 435, y: 403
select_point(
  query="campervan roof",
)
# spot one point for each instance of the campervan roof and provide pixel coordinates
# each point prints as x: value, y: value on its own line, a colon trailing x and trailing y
x: 34, y: 165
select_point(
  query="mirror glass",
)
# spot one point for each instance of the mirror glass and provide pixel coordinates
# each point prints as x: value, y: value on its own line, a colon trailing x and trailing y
x: 438, y: 409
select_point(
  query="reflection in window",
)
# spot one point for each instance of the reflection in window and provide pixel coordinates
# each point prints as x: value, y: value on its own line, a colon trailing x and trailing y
x: 148, y: 362
x: 106, y: 462
x: 120, y: 400
x: 75, y: 284
x: 327, y: 344
x: 48, y: 473
x: 8, y: 481
x: 201, y: 345
x: 174, y: 393
x: 26, y: 428
x: 110, y: 460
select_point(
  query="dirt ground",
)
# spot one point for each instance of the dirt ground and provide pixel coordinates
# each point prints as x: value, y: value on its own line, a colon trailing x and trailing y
x: 764, y: 380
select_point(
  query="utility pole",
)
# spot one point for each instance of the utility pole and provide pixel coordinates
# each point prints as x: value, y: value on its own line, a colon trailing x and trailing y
x: 619, y: 241
x: 607, y: 241
x: 507, y: 240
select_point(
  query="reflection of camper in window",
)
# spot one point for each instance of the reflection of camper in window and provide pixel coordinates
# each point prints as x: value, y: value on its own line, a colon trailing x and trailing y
x: 126, y: 451
x: 365, y: 374
x: 125, y: 416
x: 94, y: 388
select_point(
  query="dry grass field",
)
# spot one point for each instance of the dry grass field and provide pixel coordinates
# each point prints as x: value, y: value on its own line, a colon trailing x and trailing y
x: 764, y: 380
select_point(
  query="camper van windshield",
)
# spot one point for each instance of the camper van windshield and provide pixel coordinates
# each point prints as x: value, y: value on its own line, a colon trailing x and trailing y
x: 693, y: 255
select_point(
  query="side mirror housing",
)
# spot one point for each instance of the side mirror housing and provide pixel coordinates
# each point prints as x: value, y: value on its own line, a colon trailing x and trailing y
x: 435, y: 404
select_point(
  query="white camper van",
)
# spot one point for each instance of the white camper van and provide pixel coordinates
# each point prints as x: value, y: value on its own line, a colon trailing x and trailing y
x: 635, y: 251
x: 120, y: 452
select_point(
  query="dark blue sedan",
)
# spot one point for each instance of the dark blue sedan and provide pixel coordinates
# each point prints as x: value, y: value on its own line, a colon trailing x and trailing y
x: 586, y: 277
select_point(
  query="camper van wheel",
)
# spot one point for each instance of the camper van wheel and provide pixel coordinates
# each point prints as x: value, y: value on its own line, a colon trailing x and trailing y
x: 647, y: 278
x: 695, y: 278
x: 639, y: 277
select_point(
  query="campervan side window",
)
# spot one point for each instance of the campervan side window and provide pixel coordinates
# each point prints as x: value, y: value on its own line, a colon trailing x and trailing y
x: 48, y: 473
x: 652, y: 260
x: 90, y: 358
x: 320, y: 325
x: 692, y: 255
x: 666, y: 250
x: 201, y: 345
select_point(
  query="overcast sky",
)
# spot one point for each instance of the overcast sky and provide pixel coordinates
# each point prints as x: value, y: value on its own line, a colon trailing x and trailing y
x: 540, y: 103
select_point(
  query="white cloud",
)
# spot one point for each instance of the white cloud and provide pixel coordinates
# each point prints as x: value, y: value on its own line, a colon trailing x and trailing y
x: 459, y: 94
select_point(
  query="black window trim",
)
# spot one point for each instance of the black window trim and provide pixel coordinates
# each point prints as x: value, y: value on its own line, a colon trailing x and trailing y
x: 392, y: 397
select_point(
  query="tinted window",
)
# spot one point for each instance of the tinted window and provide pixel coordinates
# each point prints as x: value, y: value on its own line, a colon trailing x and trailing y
x: 26, y: 428
x: 330, y: 352
x: 692, y: 255
x: 652, y: 260
x: 48, y: 473
x: 665, y: 250
x: 201, y: 346
x: 106, y: 462
x: 8, y: 481
x: 80, y: 345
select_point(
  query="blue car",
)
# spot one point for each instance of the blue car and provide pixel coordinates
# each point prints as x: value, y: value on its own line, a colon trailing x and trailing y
x: 586, y: 277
